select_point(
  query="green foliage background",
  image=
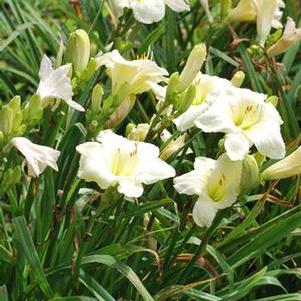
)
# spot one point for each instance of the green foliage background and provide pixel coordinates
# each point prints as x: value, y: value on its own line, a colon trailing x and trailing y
x: 58, y: 245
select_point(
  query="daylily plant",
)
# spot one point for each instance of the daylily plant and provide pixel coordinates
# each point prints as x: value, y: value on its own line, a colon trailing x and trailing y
x: 215, y: 182
x: 117, y: 161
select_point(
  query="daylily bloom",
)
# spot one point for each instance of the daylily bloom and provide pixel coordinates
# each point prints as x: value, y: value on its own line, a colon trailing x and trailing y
x: 285, y: 168
x: 215, y: 182
x: 207, y: 88
x: 117, y: 161
x: 38, y: 157
x: 149, y: 11
x: 142, y: 75
x: 55, y: 83
x: 267, y: 14
x: 290, y: 36
x: 247, y: 120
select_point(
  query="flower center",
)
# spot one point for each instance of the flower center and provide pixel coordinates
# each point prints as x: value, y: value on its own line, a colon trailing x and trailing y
x: 217, y: 188
x: 124, y: 162
x: 248, y: 117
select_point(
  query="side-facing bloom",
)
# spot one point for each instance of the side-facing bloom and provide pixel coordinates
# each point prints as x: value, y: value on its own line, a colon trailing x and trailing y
x: 207, y: 88
x: 55, y: 83
x: 247, y: 120
x: 267, y: 14
x: 148, y: 11
x: 290, y: 36
x: 38, y: 157
x: 285, y: 168
x: 117, y: 161
x: 215, y: 182
x: 142, y: 75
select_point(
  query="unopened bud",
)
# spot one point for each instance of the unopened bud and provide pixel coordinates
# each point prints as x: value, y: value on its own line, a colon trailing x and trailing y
x: 96, y: 101
x: 285, y: 168
x: 273, y: 100
x: 186, y: 101
x: 249, y: 175
x: 238, y: 79
x: 78, y: 50
x: 226, y: 6
x: 192, y: 67
x: 172, y: 147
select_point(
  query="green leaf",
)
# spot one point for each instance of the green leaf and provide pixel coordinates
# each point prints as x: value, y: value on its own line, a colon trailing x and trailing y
x: 26, y: 247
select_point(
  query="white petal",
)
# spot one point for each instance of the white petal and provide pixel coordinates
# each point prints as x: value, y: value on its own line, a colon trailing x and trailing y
x: 265, y: 11
x: 204, y: 212
x: 45, y: 67
x: 217, y: 116
x: 194, y: 182
x: 94, y: 165
x: 38, y: 157
x: 178, y: 5
x: 266, y: 134
x: 148, y: 11
x: 186, y: 120
x: 130, y: 187
x: 237, y: 146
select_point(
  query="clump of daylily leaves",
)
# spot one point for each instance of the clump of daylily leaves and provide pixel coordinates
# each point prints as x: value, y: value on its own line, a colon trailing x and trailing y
x: 249, y: 121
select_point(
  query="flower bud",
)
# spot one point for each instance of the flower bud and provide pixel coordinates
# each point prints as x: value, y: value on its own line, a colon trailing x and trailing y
x: 192, y: 67
x: 238, y: 79
x: 273, y: 100
x: 185, y: 100
x: 137, y: 133
x: 78, y: 50
x: 121, y: 112
x: 6, y: 119
x: 249, y: 175
x: 172, y: 147
x: 96, y: 101
x: 285, y: 168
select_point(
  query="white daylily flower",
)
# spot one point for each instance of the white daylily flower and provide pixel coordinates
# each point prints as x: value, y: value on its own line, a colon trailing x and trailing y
x: 38, y: 157
x: 142, y: 75
x: 216, y: 182
x: 55, y: 83
x: 290, y: 36
x: 285, y: 168
x: 267, y: 14
x: 148, y: 11
x: 247, y: 120
x: 207, y: 87
x: 117, y: 161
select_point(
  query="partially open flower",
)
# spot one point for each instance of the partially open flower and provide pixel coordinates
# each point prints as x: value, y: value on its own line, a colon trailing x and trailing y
x: 38, y: 157
x: 215, y: 182
x: 290, y: 36
x: 247, y: 120
x: 285, y: 168
x: 55, y: 83
x: 117, y: 161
